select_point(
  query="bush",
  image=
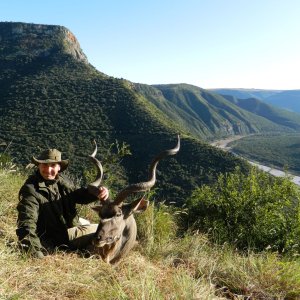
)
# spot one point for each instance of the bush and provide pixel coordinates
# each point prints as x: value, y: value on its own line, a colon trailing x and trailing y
x: 255, y: 210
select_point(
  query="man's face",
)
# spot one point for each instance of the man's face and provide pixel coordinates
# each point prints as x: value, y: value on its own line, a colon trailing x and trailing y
x: 49, y: 171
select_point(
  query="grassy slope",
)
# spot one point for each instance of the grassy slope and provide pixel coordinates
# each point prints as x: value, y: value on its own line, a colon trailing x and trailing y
x: 186, y: 268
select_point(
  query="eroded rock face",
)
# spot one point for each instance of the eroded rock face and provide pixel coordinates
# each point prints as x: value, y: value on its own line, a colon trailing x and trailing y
x: 38, y: 40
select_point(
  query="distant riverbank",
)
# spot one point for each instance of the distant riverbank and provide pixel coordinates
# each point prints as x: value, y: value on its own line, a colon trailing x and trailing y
x: 223, y: 144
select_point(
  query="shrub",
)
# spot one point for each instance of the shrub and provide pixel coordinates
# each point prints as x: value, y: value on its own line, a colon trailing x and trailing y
x: 254, y: 210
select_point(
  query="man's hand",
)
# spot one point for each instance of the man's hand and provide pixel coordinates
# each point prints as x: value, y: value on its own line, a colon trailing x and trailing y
x: 103, y: 193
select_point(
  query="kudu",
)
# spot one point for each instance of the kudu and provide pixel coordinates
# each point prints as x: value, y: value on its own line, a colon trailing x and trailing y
x: 116, y: 232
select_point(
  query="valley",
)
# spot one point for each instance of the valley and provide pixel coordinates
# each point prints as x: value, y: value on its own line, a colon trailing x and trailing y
x: 258, y: 157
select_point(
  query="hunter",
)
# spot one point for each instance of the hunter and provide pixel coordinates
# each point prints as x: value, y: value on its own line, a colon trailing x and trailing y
x: 47, y: 215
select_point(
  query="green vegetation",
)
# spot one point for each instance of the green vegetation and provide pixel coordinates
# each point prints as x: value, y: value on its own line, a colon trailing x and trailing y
x: 210, y: 116
x: 166, y: 264
x: 253, y: 211
x: 277, y: 115
x: 279, y: 151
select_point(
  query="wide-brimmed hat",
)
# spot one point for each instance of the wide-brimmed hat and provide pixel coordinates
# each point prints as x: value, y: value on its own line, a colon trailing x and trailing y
x: 51, y: 156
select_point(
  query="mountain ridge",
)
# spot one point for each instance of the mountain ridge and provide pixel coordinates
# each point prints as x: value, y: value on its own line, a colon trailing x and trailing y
x: 285, y: 99
x: 211, y: 116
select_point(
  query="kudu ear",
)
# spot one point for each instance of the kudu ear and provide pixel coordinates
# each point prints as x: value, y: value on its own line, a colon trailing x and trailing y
x: 139, y: 205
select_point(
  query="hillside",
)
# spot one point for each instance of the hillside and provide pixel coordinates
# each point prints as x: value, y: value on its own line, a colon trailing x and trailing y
x: 209, y: 116
x: 241, y: 93
x: 52, y: 97
x: 272, y: 113
x: 288, y: 100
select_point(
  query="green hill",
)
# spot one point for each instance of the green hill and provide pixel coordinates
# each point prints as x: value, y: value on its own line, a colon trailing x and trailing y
x: 286, y: 99
x: 208, y: 115
x: 272, y: 113
x: 52, y: 97
x: 246, y: 93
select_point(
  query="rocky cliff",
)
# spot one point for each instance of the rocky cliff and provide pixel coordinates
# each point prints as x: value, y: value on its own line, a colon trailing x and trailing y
x: 24, y: 39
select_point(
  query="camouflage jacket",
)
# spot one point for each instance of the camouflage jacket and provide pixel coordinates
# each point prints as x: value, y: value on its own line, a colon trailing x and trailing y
x: 46, y: 209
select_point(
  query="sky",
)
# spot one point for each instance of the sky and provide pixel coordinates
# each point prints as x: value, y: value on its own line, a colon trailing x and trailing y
x: 207, y: 43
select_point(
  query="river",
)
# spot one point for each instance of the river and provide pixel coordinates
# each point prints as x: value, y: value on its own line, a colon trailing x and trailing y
x: 223, y: 144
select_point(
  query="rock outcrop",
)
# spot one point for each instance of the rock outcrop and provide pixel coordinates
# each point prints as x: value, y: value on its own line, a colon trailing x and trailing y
x: 38, y: 40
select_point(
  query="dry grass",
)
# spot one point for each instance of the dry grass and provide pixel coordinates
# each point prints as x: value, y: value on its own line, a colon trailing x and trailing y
x: 250, y: 275
x: 187, y: 268
x: 69, y: 276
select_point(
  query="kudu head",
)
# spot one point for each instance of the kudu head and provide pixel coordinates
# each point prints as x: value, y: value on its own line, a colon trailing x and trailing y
x: 116, y: 231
